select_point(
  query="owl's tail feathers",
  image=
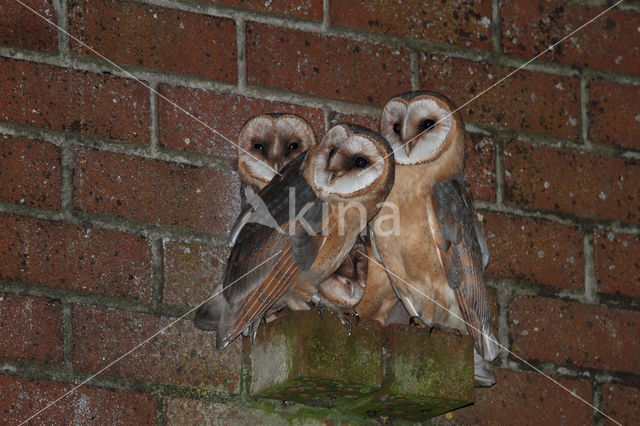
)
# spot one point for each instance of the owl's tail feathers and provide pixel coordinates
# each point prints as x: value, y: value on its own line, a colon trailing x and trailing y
x: 208, y: 315
x: 483, y: 374
x: 490, y: 345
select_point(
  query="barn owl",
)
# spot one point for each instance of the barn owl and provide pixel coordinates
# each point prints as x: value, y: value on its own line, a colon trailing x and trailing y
x: 267, y: 143
x: 440, y: 250
x: 321, y: 201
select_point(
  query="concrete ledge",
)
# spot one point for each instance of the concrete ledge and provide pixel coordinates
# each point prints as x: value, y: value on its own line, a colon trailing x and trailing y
x: 401, y: 372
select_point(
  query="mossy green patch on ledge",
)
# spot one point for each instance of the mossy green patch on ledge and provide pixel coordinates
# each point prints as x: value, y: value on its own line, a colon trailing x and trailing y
x: 399, y: 371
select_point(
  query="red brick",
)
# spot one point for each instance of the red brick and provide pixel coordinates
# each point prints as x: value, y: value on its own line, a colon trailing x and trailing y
x: 181, y: 355
x: 30, y: 172
x: 534, y: 250
x: 615, y: 113
x: 20, y: 27
x: 612, y: 42
x: 324, y: 66
x: 527, y: 100
x: 304, y: 9
x: 74, y: 258
x: 572, y: 182
x: 155, y: 191
x: 224, y: 113
x: 617, y: 263
x: 23, y: 397
x: 575, y: 334
x: 361, y: 120
x: 523, y: 398
x: 622, y: 403
x: 79, y: 102
x: 480, y: 167
x: 155, y: 37
x: 30, y: 329
x: 493, y: 306
x: 189, y: 412
x: 461, y: 22
x: 191, y: 271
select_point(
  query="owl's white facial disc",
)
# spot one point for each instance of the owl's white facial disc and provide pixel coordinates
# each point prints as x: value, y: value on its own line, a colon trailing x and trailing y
x: 346, y: 162
x: 268, y: 142
x: 392, y: 120
x: 424, y: 131
x: 259, y: 130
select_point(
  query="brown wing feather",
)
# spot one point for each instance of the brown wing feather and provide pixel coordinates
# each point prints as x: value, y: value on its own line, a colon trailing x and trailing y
x: 462, y: 256
x: 275, y: 284
x: 265, y: 262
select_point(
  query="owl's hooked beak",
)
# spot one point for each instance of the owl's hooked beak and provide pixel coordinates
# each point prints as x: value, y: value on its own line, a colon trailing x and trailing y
x: 276, y: 168
x: 409, y: 146
x: 335, y: 175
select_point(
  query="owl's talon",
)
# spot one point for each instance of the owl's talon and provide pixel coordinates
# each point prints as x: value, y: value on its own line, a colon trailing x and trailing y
x: 419, y: 322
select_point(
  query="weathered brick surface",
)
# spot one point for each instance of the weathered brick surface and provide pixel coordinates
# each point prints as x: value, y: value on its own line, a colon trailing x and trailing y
x: 460, y: 22
x: 529, y: 101
x: 575, y: 334
x: 30, y: 172
x: 30, y: 329
x: 534, y: 250
x: 480, y: 167
x: 303, y: 9
x: 493, y: 307
x: 155, y: 37
x: 23, y: 397
x: 617, y: 263
x: 522, y: 398
x: 183, y: 50
x: 224, y: 113
x: 568, y: 181
x: 615, y: 113
x: 155, y: 191
x: 339, y: 117
x: 622, y: 403
x: 79, y: 102
x: 181, y: 355
x: 74, y: 258
x: 191, y: 271
x: 20, y: 27
x: 325, y: 66
x: 188, y: 412
x: 610, y: 43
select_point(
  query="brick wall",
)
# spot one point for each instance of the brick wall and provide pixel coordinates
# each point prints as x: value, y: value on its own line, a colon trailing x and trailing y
x: 114, y: 204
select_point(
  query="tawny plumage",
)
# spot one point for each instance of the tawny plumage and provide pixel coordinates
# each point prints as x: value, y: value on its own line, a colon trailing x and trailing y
x: 379, y: 301
x: 439, y: 250
x: 268, y: 268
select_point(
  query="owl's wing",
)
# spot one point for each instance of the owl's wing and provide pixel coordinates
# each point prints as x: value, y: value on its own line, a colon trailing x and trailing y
x: 265, y: 261
x: 463, y: 251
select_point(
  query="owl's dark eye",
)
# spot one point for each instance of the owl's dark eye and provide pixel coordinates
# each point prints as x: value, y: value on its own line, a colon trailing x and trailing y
x: 360, y: 162
x: 396, y: 128
x: 292, y: 146
x: 427, y: 124
x: 258, y: 146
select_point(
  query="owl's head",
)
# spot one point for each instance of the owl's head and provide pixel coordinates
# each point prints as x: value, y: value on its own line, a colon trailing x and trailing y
x: 421, y: 126
x: 351, y: 161
x: 267, y: 143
